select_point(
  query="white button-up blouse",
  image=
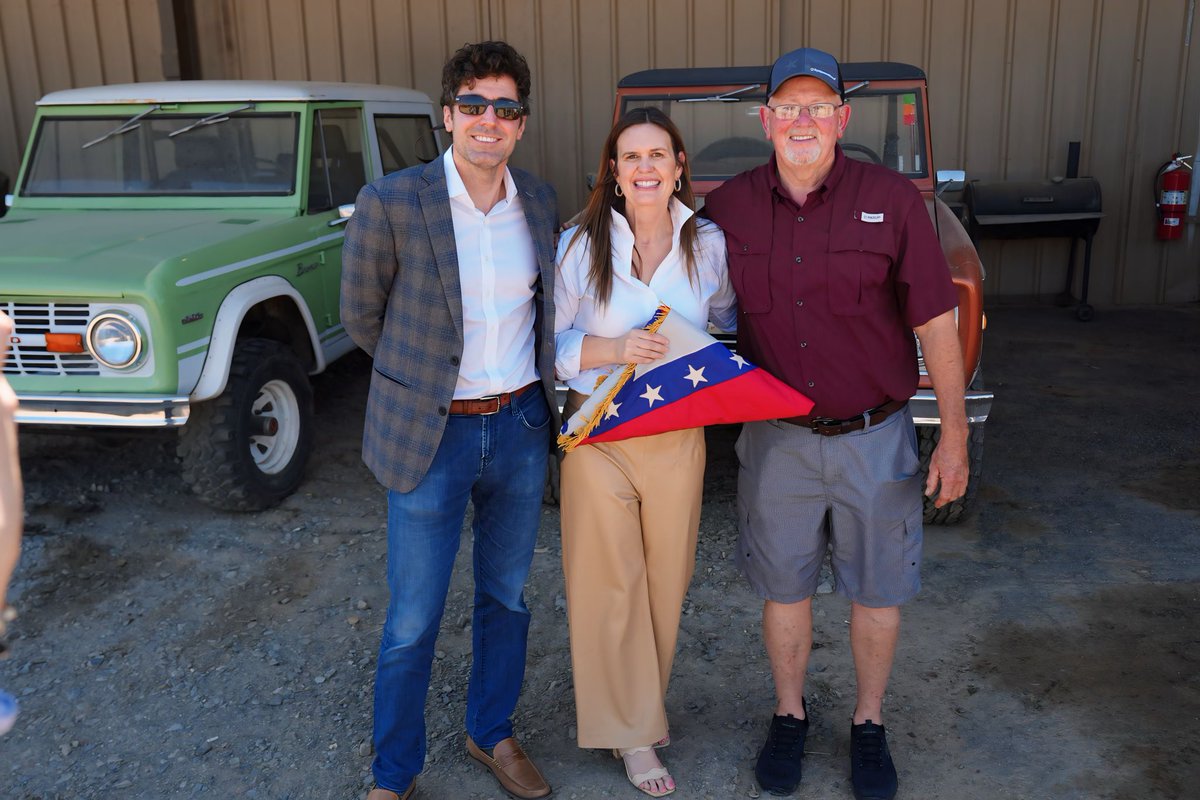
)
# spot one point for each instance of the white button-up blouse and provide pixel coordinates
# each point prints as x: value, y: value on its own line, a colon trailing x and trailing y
x: 577, y: 314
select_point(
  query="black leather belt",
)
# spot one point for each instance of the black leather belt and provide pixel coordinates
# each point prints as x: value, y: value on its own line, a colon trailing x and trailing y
x: 488, y: 405
x: 835, y: 427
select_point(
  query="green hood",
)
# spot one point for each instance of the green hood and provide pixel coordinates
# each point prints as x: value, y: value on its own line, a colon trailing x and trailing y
x: 100, y: 253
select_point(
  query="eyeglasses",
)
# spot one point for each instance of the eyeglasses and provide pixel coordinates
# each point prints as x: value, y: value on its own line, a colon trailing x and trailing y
x: 815, y: 111
x: 475, y: 106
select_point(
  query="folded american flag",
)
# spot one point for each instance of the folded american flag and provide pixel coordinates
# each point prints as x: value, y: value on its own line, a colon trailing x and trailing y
x: 699, y: 382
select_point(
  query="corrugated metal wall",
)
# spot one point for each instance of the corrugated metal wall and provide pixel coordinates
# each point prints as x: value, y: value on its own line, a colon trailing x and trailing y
x: 1012, y: 82
x: 46, y: 45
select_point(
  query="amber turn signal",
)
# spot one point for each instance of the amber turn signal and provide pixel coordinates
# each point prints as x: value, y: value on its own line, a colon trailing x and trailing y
x: 64, y: 342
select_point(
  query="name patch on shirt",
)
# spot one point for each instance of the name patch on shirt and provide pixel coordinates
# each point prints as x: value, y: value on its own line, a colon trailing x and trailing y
x: 867, y: 216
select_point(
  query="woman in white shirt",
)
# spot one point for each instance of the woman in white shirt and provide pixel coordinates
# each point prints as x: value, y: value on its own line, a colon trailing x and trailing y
x: 631, y: 508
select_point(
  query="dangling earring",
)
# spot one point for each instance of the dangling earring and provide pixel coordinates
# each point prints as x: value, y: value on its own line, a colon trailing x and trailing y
x: 678, y: 184
x: 617, y: 190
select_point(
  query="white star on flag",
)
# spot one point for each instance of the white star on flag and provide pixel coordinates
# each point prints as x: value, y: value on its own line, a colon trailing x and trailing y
x: 652, y: 394
x: 691, y: 386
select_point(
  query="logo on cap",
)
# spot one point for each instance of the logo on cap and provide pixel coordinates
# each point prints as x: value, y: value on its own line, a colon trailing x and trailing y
x: 808, y: 62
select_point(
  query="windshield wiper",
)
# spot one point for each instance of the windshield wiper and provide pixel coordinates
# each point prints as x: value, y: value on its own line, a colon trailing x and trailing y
x: 125, y: 127
x: 727, y: 97
x: 212, y: 119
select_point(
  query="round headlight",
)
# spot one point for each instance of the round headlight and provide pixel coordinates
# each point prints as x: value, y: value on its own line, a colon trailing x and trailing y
x: 114, y: 340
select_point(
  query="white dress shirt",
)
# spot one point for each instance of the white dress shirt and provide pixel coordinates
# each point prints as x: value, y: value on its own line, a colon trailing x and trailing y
x: 632, y: 303
x: 498, y: 271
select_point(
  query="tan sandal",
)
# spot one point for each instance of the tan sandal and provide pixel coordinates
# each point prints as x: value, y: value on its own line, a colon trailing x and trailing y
x: 654, y: 774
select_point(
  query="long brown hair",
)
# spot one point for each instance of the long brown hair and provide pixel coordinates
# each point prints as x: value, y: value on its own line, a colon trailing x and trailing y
x: 596, y: 220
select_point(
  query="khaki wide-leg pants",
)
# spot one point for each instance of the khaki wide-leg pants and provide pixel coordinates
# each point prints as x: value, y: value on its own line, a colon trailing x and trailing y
x: 630, y: 514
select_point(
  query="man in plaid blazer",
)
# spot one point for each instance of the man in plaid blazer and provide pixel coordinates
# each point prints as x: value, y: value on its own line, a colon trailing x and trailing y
x: 447, y: 281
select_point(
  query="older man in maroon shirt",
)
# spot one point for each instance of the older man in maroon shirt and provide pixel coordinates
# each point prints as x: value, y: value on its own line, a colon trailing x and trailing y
x: 836, y: 265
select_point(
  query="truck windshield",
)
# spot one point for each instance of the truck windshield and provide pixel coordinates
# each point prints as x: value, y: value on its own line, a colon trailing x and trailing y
x: 725, y: 138
x: 248, y: 154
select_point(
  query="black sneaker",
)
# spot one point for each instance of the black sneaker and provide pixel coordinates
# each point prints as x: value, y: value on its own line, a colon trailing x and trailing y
x: 778, y: 767
x: 872, y: 772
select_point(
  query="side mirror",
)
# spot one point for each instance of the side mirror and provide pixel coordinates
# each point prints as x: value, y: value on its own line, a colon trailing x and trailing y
x: 345, y: 212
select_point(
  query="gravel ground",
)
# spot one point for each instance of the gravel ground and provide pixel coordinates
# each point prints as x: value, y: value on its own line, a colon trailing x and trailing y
x: 167, y: 650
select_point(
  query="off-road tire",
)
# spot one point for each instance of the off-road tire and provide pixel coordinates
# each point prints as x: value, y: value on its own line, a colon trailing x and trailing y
x: 927, y: 439
x: 218, y: 445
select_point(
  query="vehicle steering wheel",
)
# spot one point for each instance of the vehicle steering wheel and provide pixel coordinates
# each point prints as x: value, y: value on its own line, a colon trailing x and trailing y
x: 854, y: 147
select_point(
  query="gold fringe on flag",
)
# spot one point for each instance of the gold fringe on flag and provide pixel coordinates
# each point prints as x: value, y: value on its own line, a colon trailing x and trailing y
x: 570, y: 440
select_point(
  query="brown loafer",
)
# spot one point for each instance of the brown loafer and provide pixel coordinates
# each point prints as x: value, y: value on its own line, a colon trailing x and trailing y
x: 513, y: 769
x: 388, y: 794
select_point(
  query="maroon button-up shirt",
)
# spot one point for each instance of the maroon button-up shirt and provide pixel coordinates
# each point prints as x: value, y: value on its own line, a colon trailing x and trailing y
x: 829, y: 293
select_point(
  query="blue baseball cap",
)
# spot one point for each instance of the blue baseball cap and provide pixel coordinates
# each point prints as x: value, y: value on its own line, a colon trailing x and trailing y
x: 807, y: 62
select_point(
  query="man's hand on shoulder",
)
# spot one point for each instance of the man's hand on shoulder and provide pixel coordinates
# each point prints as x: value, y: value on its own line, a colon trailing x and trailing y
x: 572, y: 222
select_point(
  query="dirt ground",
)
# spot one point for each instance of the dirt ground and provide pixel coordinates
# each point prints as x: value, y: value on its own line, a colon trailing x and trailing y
x: 167, y: 650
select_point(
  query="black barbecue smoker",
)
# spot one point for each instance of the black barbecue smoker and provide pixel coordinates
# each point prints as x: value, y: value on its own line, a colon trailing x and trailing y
x: 1060, y: 207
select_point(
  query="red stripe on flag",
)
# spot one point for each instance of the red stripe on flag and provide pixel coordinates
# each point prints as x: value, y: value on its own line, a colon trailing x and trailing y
x: 714, y: 405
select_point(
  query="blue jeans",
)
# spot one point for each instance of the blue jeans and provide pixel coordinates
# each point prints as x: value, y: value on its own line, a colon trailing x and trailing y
x: 499, y: 463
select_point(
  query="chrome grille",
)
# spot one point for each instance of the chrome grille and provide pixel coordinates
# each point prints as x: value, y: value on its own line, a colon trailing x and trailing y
x: 31, y: 323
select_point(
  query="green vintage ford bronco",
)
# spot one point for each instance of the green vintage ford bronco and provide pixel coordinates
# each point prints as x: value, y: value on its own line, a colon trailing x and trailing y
x: 171, y: 258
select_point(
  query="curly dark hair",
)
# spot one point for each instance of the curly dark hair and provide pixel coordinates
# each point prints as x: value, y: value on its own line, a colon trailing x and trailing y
x: 485, y: 60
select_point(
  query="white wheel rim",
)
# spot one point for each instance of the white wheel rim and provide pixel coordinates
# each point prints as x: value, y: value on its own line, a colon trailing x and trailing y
x: 273, y: 452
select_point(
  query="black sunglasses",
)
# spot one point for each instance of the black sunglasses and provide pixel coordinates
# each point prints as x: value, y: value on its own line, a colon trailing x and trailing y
x: 475, y: 106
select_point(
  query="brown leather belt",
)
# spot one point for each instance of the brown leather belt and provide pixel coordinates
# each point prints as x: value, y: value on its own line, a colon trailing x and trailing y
x: 834, y: 427
x: 488, y: 405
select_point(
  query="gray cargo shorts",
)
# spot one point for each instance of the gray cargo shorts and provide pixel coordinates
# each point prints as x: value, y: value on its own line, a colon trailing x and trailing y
x: 858, y: 493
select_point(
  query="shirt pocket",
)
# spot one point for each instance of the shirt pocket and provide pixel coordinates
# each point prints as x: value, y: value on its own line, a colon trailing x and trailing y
x: 749, y: 272
x: 861, y: 256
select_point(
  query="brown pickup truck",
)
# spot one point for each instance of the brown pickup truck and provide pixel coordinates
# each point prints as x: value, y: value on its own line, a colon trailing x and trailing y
x: 716, y: 109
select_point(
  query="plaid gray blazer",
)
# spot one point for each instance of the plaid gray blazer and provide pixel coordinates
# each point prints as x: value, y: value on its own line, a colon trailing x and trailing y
x: 402, y: 303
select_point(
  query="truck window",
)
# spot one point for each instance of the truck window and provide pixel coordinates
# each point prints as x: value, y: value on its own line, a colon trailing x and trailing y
x: 245, y: 154
x: 336, y: 167
x: 404, y: 141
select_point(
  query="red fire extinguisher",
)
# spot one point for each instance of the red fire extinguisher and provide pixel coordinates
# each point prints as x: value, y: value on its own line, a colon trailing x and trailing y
x: 1171, y: 195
